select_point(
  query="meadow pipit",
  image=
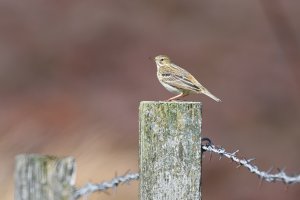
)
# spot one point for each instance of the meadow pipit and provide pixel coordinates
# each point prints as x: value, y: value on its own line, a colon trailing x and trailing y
x: 178, y: 80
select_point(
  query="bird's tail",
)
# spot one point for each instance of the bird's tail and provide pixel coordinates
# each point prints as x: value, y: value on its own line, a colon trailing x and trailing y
x: 207, y: 93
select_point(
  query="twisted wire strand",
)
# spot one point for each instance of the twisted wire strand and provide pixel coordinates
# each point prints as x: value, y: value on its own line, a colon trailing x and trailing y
x: 98, y: 187
x: 280, y: 176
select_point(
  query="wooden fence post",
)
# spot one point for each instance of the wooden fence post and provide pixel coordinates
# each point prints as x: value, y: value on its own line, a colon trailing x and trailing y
x: 170, y: 150
x: 44, y: 177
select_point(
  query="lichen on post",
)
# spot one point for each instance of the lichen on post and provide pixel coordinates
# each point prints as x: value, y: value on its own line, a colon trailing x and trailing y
x: 170, y: 150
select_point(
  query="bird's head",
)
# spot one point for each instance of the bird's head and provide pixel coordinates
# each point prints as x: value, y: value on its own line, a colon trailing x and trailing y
x: 162, y: 60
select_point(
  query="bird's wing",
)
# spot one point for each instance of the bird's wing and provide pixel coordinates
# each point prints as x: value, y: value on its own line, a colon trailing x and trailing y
x: 181, y: 79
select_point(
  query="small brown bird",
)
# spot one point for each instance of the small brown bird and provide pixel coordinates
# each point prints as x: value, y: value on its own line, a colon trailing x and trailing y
x: 178, y: 80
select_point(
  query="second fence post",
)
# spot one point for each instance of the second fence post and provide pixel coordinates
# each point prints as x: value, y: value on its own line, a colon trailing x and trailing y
x: 170, y: 150
x: 39, y: 177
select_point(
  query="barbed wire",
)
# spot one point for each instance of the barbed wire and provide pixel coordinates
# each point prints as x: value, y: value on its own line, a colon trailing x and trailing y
x: 98, y: 187
x: 280, y: 176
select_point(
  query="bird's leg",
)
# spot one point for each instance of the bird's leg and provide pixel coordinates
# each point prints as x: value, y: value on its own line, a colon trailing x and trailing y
x: 177, y: 97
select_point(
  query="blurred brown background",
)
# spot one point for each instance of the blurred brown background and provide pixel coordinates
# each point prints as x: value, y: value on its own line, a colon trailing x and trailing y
x: 72, y: 74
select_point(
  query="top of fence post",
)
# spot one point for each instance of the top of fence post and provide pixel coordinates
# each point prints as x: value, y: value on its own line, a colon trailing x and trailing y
x: 170, y: 150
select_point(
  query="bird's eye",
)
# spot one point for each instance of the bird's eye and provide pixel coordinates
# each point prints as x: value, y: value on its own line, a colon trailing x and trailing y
x: 161, y: 59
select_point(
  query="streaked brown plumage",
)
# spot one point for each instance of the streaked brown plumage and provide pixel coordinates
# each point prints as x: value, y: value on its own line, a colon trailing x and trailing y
x: 177, y: 80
